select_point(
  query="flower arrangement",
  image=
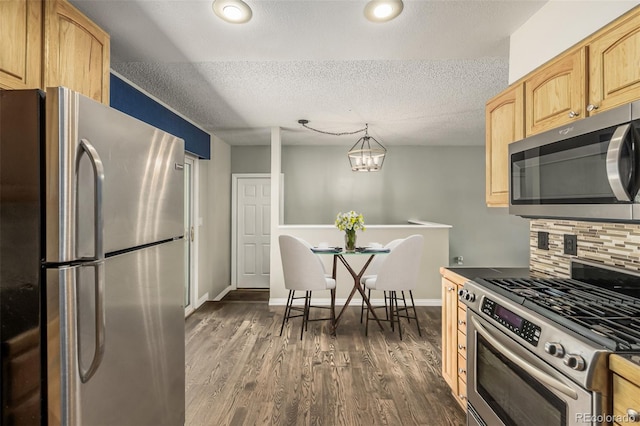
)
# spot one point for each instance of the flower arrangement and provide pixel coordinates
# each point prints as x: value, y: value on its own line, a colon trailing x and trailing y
x: 350, y: 222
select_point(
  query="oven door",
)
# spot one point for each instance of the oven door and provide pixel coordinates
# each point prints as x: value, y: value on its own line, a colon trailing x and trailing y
x: 508, y: 385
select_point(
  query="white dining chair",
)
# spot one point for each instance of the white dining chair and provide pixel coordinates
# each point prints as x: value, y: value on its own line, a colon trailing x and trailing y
x: 303, y: 271
x: 371, y: 272
x: 398, y: 271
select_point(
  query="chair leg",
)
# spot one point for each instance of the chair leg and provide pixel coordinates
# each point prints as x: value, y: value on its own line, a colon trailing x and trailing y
x: 405, y: 307
x: 306, y: 328
x: 366, y: 323
x: 362, y: 309
x: 389, y: 310
x: 386, y: 308
x: 395, y: 299
x: 333, y: 311
x: 305, y: 314
x: 287, y: 310
x: 415, y: 313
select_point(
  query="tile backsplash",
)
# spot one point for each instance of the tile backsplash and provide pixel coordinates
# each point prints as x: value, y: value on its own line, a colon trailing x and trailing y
x: 613, y: 244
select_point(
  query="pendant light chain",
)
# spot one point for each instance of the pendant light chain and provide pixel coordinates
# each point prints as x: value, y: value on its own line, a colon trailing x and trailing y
x: 304, y: 124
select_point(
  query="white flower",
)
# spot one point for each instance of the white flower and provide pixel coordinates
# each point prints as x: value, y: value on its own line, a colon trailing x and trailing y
x: 350, y: 221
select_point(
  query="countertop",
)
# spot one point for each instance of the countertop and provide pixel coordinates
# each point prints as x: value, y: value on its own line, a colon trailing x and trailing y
x: 632, y: 357
x: 412, y: 223
x: 498, y: 272
x: 626, y: 365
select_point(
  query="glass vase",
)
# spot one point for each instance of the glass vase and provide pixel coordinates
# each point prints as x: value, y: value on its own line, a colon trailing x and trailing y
x: 350, y: 241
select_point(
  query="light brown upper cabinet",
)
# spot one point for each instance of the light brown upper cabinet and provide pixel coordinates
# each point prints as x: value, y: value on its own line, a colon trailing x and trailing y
x: 20, y: 44
x: 504, y: 116
x: 555, y: 93
x: 598, y: 73
x: 614, y: 65
x: 76, y: 51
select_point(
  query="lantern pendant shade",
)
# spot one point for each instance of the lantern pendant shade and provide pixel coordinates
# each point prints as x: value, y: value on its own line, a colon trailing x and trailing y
x: 367, y: 155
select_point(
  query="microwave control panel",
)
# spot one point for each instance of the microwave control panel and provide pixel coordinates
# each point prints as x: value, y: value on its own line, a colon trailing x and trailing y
x: 512, y: 321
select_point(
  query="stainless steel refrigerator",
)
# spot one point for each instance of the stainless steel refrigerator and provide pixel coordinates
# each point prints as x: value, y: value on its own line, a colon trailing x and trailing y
x: 91, y: 264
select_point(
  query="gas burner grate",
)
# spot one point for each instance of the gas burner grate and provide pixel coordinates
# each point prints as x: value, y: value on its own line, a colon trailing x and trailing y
x: 592, y: 308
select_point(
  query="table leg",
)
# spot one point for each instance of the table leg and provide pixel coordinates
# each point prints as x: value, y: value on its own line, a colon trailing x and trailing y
x: 356, y: 287
x: 333, y: 312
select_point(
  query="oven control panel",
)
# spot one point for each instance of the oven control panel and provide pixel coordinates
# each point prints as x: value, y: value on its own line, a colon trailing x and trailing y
x: 512, y: 321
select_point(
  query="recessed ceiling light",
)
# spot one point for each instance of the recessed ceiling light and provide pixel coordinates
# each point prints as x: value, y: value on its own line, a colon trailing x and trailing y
x: 233, y: 11
x: 383, y: 10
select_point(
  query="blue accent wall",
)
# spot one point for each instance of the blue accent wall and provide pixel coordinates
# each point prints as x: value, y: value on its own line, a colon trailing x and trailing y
x: 130, y: 100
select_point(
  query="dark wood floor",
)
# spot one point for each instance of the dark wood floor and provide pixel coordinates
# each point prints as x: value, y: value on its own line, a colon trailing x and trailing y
x: 239, y: 371
x: 247, y: 295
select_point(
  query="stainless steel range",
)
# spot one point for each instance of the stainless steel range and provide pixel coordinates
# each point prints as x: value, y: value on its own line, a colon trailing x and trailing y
x: 537, y: 349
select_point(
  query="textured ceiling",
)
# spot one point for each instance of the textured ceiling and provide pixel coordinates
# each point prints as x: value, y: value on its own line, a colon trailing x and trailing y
x: 420, y: 79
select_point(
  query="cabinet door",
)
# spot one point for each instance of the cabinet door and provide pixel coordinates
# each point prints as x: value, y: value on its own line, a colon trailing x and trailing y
x: 450, y: 334
x: 555, y: 94
x: 21, y: 44
x: 504, y: 124
x: 76, y: 51
x: 614, y: 65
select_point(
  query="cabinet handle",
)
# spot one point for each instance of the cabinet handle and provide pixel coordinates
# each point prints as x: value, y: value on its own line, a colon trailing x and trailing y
x: 591, y: 107
x: 450, y: 288
x: 573, y: 114
x: 462, y: 322
x: 462, y: 371
x: 461, y: 346
x: 462, y: 397
x: 634, y: 416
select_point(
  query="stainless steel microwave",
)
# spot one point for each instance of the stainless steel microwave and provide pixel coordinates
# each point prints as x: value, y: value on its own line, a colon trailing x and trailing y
x: 589, y: 169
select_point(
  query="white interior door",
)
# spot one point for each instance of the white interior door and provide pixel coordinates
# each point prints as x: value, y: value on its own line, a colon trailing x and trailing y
x: 253, y: 221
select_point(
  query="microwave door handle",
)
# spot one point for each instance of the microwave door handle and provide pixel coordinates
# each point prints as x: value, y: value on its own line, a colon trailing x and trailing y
x: 533, y: 371
x: 614, y: 153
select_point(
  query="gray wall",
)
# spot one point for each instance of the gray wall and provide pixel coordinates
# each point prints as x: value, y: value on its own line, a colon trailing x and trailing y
x: 214, y: 246
x: 250, y: 159
x: 439, y: 184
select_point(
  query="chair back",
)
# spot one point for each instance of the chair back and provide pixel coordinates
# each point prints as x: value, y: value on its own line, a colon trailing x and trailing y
x: 377, y: 261
x: 400, y: 268
x: 302, y: 268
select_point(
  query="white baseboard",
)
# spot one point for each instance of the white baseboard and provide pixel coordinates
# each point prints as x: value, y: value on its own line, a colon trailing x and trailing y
x: 203, y: 299
x: 224, y: 292
x: 277, y: 301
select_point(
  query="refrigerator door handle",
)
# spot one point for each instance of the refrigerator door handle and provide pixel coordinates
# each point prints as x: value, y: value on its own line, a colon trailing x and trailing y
x: 99, y: 320
x: 98, y: 173
x: 86, y: 374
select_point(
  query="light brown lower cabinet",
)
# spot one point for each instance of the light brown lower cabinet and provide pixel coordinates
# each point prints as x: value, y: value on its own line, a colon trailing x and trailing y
x: 626, y: 390
x: 454, y: 336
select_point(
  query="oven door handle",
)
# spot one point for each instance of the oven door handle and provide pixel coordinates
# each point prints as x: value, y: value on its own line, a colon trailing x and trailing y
x: 536, y: 373
x: 619, y: 184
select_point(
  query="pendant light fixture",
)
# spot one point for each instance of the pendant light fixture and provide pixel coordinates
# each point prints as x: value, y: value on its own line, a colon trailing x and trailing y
x: 366, y: 155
